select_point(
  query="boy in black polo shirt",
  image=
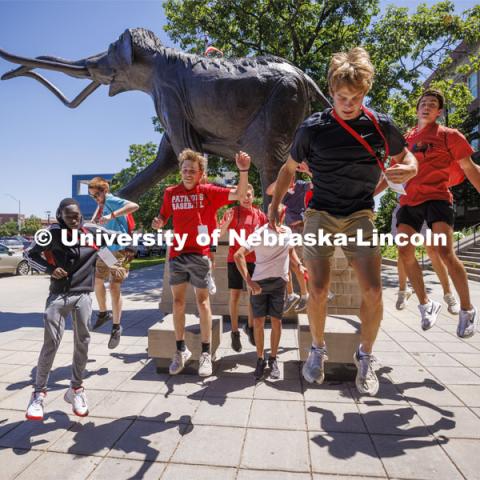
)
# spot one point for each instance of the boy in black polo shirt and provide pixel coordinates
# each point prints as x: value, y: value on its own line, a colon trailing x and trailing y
x: 342, y: 149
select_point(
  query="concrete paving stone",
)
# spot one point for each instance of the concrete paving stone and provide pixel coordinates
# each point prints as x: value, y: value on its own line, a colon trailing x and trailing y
x: 175, y: 471
x: 210, y: 445
x: 455, y: 375
x: 419, y: 347
x: 122, y: 468
x: 407, y: 336
x: 37, y: 435
x: 22, y: 346
x: 388, y: 394
x: 344, y: 454
x: 272, y: 475
x: 151, y: 441
x: 20, y: 398
x: 91, y: 436
x: 284, y: 450
x: 327, y: 392
x: 439, y: 337
x: 279, y: 390
x: 10, y: 419
x: 476, y: 411
x: 107, y: 380
x: 436, y: 360
x: 18, y: 374
x: 233, y: 412
x: 387, y: 346
x: 457, y: 346
x: 5, y: 391
x: 3, y: 354
x: 454, y: 422
x: 406, y: 457
x: 334, y: 417
x: 471, y: 360
x: 189, y: 385
x: 102, y: 348
x: 23, y: 358
x: 121, y: 404
x: 392, y: 420
x: 464, y: 454
x: 232, y: 386
x: 65, y: 466
x: 154, y: 383
x: 133, y: 364
x: 277, y: 414
x: 401, y: 374
x: 468, y: 394
x: 172, y: 409
x: 322, y: 476
x: 13, y: 462
x: 431, y: 395
x: 396, y: 358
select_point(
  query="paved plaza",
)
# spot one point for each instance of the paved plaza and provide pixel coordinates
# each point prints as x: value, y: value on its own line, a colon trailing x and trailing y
x: 423, y: 424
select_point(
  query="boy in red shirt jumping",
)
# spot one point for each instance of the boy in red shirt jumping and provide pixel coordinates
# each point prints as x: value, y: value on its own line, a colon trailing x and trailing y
x: 439, y: 151
x: 193, y: 206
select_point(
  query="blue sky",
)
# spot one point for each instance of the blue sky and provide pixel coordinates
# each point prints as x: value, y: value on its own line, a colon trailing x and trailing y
x: 43, y: 143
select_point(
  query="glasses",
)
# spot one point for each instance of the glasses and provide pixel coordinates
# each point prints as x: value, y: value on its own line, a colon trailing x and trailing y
x: 96, y: 196
x: 190, y: 171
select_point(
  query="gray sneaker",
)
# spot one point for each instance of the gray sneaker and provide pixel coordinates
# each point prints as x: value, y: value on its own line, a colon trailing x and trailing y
x: 115, y: 337
x: 312, y: 369
x: 205, y: 365
x: 452, y: 305
x: 301, y: 306
x: 429, y: 314
x: 403, y: 298
x: 366, y: 379
x: 290, y: 302
x: 467, y: 323
x: 178, y: 361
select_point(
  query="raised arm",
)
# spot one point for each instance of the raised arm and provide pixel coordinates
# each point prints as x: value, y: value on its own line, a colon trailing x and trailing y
x: 472, y: 171
x: 285, y: 176
x: 241, y: 264
x: 405, y: 167
x: 242, y: 160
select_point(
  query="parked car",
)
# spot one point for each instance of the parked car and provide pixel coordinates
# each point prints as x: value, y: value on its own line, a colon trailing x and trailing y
x: 142, y: 249
x: 13, y: 243
x: 12, y: 261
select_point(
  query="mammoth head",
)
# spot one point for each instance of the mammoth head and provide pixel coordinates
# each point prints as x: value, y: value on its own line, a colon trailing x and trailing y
x: 113, y: 68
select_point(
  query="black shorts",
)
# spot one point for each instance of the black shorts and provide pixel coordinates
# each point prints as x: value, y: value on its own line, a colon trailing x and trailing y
x: 430, y: 212
x: 235, y: 279
x: 270, y: 301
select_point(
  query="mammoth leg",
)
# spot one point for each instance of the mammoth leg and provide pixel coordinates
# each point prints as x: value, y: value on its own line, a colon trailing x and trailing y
x: 165, y: 162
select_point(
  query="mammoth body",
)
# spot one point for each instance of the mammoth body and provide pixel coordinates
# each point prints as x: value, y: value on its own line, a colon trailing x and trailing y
x: 215, y: 106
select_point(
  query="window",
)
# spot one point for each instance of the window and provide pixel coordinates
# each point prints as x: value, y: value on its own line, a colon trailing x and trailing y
x: 475, y: 142
x: 473, y: 84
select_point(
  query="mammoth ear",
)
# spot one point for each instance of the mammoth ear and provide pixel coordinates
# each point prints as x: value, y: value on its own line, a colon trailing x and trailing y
x: 124, y: 50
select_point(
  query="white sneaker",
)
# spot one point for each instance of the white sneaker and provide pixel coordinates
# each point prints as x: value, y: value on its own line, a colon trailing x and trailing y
x: 35, y: 406
x: 452, y: 304
x: 467, y: 323
x: 366, y: 380
x: 429, y: 313
x: 179, y: 360
x: 403, y: 298
x: 205, y: 365
x: 78, y: 399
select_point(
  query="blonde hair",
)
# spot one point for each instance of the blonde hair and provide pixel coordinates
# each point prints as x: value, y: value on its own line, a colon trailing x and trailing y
x: 99, y: 183
x: 352, y: 69
x: 193, y: 156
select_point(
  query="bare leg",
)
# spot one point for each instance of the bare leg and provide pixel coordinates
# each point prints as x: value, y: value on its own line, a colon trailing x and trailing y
x: 414, y: 272
x: 275, y: 335
x: 290, y: 283
x: 101, y: 294
x: 116, y: 295
x: 455, y: 268
x: 234, y: 300
x: 440, y: 269
x: 203, y: 304
x: 319, y: 274
x: 402, y: 275
x: 259, y: 326
x: 371, y: 309
x: 300, y: 279
x: 178, y: 292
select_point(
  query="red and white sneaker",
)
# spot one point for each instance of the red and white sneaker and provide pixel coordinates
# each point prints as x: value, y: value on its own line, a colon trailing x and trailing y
x: 35, y: 406
x: 78, y: 399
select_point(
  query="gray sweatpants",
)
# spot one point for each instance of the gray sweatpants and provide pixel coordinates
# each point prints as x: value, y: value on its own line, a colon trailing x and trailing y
x: 58, y: 307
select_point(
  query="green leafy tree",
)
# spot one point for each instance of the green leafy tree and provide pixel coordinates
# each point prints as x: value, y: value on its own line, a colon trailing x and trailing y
x: 9, y: 229
x: 31, y: 225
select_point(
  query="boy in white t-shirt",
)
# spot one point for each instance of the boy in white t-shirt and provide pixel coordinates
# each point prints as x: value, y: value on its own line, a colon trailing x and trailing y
x: 267, y: 285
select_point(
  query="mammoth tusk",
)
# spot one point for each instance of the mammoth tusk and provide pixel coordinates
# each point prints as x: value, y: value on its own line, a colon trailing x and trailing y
x: 89, y: 89
x: 47, y: 64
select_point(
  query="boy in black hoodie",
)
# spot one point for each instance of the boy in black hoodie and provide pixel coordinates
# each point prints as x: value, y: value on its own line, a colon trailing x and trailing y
x: 72, y: 271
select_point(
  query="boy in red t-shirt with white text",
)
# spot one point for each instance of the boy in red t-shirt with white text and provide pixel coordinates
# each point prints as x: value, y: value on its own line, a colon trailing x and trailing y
x: 442, y: 153
x: 193, y: 206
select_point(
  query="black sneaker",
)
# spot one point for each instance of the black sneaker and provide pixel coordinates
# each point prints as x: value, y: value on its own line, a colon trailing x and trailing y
x: 102, y: 319
x: 115, y: 337
x: 274, y: 370
x: 250, y: 333
x: 236, y: 343
x: 260, y: 368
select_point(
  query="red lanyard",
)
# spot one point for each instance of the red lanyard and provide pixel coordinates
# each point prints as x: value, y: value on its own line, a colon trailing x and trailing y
x: 197, y: 208
x: 361, y: 140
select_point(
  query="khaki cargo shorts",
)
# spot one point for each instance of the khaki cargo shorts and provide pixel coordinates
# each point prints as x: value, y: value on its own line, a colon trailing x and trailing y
x: 322, y: 221
x: 118, y: 272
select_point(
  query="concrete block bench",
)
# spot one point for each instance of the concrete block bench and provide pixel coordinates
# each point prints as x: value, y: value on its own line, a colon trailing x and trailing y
x: 342, y: 336
x: 161, y: 341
